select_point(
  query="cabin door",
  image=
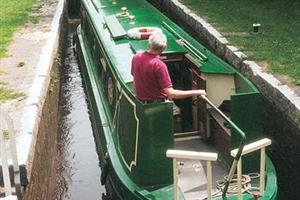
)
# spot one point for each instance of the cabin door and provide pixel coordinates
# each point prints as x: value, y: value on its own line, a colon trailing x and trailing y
x: 198, y: 107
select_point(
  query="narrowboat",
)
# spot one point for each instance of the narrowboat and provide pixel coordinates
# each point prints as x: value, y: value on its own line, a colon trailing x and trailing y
x: 196, y: 148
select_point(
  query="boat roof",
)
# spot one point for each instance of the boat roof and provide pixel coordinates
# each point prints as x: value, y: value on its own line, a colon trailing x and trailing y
x: 172, y: 48
x: 123, y: 48
x: 118, y: 29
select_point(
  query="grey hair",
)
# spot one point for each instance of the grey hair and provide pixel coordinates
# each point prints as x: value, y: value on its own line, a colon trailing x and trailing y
x: 157, y: 41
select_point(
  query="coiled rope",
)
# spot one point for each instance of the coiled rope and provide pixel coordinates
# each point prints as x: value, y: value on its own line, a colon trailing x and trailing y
x: 233, y: 185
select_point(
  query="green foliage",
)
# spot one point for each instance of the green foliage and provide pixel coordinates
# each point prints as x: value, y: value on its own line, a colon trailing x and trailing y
x: 55, y: 73
x: 13, y: 13
x: 2, y: 83
x: 6, y: 93
x: 277, y: 41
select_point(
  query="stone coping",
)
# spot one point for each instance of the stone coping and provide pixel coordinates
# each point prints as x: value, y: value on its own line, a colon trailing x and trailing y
x: 37, y: 93
x: 37, y: 46
x: 11, y: 197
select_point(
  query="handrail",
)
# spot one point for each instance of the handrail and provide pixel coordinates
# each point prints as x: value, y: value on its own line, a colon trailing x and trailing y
x: 254, y: 146
x: 192, y: 155
x: 240, y: 148
x: 193, y: 50
x: 242, y: 134
x: 97, y: 5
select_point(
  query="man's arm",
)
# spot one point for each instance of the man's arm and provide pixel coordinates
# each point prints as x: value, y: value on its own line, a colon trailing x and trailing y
x: 181, y: 94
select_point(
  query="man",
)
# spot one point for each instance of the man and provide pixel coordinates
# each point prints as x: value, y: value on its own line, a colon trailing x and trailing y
x: 152, y: 81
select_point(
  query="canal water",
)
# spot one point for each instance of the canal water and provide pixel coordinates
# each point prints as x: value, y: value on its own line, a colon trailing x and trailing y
x: 78, y: 171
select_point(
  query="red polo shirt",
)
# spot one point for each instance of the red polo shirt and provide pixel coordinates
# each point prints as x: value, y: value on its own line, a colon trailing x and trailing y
x: 151, y: 76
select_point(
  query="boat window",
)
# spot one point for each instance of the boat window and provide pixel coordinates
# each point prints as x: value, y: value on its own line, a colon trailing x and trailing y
x: 83, y: 20
x: 89, y: 33
x: 169, y: 58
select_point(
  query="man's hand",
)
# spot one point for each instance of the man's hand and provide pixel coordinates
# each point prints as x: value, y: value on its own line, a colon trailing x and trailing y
x: 200, y: 92
x: 181, y: 94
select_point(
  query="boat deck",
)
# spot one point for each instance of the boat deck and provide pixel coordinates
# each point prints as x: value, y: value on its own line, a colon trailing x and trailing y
x: 192, y: 174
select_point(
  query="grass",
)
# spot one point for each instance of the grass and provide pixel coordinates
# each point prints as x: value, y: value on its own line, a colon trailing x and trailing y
x: 6, y: 93
x: 13, y: 14
x: 277, y: 41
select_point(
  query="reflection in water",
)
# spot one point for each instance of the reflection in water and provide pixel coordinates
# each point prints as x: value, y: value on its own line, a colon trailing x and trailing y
x: 78, y: 175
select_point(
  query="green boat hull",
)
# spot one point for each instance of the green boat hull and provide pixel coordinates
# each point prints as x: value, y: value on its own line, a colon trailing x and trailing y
x: 130, y: 138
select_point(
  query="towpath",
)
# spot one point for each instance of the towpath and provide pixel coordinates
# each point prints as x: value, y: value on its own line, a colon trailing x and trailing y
x: 27, y: 69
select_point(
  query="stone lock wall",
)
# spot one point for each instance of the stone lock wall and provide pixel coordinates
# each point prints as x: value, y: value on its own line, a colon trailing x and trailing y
x: 42, y: 170
x: 42, y: 176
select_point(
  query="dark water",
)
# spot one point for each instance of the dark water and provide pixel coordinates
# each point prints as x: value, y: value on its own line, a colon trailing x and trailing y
x: 78, y: 174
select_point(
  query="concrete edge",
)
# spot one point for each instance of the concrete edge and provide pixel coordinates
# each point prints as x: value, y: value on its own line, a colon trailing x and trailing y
x: 11, y: 197
x: 276, y: 92
x: 31, y: 113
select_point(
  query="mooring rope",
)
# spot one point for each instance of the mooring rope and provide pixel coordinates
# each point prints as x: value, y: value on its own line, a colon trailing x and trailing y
x: 233, y: 185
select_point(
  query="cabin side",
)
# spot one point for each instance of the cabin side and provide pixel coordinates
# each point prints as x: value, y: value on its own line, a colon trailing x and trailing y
x: 135, y: 130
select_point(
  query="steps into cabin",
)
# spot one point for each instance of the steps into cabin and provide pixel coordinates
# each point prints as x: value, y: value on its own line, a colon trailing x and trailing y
x: 193, y: 180
x: 187, y: 135
x: 192, y: 174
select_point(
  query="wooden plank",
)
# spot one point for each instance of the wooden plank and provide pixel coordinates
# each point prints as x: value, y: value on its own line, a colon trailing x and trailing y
x: 115, y: 28
x: 253, y: 146
x: 179, y: 154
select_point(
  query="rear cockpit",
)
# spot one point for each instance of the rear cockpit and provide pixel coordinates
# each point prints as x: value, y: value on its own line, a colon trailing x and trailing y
x: 190, y: 67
